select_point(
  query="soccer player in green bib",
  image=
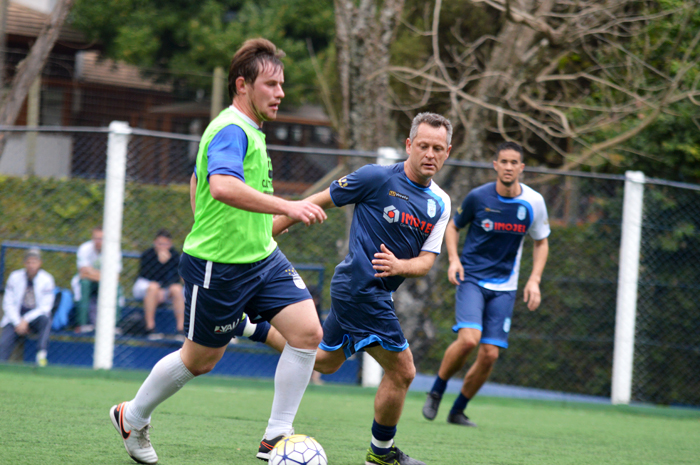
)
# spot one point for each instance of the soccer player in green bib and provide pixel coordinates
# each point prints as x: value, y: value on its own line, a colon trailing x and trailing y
x: 230, y: 262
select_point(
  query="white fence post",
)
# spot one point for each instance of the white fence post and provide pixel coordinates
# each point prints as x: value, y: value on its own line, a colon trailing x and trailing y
x: 110, y: 260
x: 623, y: 354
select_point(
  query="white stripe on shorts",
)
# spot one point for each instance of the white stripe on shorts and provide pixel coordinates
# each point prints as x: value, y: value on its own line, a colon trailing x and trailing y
x: 193, y: 306
x: 207, y: 274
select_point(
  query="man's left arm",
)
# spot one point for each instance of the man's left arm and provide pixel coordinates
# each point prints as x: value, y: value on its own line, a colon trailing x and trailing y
x: 193, y: 191
x: 386, y: 264
x: 531, y: 294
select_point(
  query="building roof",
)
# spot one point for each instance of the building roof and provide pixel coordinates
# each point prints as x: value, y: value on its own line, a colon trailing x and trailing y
x: 26, y: 22
x: 89, y: 67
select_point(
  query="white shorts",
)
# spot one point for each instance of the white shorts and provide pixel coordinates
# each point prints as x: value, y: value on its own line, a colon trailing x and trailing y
x: 141, y: 287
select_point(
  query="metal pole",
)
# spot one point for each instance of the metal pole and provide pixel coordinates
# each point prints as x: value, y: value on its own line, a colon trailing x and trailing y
x: 217, y: 92
x: 628, y: 275
x: 117, y: 143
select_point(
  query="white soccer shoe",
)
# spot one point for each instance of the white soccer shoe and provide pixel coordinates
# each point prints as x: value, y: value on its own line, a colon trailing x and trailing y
x: 136, y: 441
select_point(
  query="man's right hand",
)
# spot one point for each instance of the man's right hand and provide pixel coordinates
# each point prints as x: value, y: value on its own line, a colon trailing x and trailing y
x: 454, y: 270
x: 22, y: 328
x: 306, y: 212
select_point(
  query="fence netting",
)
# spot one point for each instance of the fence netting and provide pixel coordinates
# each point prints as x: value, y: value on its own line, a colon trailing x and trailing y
x: 667, y: 342
x: 566, y: 345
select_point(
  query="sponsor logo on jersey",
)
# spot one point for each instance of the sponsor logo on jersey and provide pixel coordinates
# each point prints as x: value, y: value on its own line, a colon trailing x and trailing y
x: 391, y: 214
x: 398, y: 195
x: 521, y: 212
x: 489, y: 225
x: 413, y: 222
x: 492, y: 210
x: 406, y: 220
x: 510, y: 227
x: 432, y: 208
x: 506, y: 325
x: 343, y: 182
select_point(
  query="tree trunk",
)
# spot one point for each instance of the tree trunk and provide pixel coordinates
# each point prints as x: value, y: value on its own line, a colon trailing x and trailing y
x: 364, y: 34
x: 31, y: 66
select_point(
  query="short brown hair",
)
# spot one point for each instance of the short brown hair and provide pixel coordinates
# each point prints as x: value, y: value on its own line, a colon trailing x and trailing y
x: 250, y: 59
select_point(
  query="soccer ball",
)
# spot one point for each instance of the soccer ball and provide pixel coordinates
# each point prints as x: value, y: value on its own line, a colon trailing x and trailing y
x: 298, y: 449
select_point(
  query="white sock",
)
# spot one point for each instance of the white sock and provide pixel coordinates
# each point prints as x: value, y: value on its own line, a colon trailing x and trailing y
x: 166, y: 378
x: 382, y: 444
x: 249, y: 329
x: 291, y: 378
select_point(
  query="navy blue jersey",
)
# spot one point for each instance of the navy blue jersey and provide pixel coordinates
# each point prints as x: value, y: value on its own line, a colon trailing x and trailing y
x: 392, y: 210
x: 494, y: 243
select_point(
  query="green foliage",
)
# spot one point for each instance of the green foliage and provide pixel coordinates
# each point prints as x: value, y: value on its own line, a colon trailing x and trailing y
x: 53, y: 211
x: 187, y: 37
x: 566, y: 345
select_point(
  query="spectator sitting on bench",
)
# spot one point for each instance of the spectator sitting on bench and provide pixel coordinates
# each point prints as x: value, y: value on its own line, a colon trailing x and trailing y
x: 27, y: 304
x: 159, y: 280
x: 87, y: 282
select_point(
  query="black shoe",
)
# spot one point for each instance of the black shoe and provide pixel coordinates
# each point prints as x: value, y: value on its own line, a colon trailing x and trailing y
x: 394, y: 457
x: 460, y: 418
x: 266, y: 446
x: 430, y: 409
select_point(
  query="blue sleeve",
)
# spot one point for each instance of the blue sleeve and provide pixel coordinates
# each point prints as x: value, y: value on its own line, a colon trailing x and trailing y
x: 466, y: 211
x: 226, y: 152
x: 357, y: 186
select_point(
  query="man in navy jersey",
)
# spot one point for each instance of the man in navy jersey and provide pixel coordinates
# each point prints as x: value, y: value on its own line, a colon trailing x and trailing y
x: 397, y: 229
x: 501, y: 213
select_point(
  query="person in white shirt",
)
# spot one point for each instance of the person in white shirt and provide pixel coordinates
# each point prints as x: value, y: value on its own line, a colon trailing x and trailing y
x: 29, y: 297
x: 86, y: 283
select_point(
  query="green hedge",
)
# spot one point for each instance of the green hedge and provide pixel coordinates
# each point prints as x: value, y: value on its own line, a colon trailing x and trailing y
x: 565, y: 345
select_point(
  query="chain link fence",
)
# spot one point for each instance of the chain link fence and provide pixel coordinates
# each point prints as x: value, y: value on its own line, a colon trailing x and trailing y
x: 566, y: 345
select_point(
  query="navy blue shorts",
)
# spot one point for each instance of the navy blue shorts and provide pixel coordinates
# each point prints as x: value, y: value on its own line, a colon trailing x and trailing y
x: 356, y: 325
x: 488, y: 311
x: 217, y: 294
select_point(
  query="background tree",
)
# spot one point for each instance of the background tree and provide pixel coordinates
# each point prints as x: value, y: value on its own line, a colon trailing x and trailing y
x: 29, y: 68
x: 186, y: 37
x: 575, y: 82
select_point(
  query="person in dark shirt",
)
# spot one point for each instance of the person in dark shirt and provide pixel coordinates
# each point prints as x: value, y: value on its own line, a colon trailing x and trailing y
x: 159, y: 280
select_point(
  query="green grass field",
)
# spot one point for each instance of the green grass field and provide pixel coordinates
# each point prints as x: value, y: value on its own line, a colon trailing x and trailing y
x: 60, y: 416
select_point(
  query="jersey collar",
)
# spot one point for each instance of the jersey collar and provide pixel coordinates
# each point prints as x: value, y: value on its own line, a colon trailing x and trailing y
x: 244, y: 117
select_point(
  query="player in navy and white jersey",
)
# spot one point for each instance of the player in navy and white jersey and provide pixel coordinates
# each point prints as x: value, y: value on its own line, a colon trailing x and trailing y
x: 500, y: 214
x: 397, y: 230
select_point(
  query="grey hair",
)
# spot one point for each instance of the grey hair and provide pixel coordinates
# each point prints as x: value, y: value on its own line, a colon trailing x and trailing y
x: 434, y: 120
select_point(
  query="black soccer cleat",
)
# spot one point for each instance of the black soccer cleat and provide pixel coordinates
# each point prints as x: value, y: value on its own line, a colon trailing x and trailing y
x: 394, y: 457
x: 266, y: 446
x: 432, y: 403
x: 460, y: 418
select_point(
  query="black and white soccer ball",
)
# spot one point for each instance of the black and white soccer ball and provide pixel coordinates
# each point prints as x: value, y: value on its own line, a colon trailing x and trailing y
x: 298, y: 449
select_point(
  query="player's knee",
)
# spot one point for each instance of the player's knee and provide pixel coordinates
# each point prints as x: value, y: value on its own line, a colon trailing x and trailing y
x: 326, y: 367
x: 313, y: 336
x: 153, y: 286
x: 489, y: 355
x: 202, y: 368
x: 409, y: 374
x: 403, y: 376
x: 466, y: 344
x: 328, y: 362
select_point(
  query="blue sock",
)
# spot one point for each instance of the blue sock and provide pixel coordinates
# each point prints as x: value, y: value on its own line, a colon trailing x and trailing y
x: 382, y: 438
x: 439, y: 386
x: 260, y: 334
x: 460, y: 404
